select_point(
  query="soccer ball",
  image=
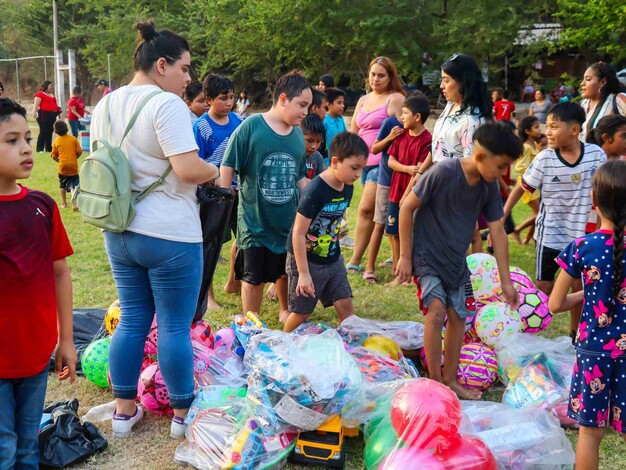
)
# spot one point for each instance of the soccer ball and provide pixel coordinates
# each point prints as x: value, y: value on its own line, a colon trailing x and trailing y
x: 534, y: 310
x: 152, y: 340
x: 201, y: 332
x: 478, y: 366
x: 112, y: 317
x: 152, y: 391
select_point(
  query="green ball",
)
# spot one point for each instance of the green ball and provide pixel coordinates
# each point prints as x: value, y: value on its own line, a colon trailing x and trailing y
x: 95, y: 362
x: 380, y: 444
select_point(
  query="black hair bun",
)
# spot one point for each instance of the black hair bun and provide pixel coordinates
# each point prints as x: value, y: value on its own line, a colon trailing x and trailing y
x: 146, y: 30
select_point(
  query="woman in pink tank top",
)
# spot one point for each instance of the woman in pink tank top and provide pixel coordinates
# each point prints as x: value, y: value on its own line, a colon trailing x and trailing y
x: 384, y: 100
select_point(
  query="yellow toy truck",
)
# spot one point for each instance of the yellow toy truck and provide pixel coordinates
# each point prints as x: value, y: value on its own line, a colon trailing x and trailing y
x: 324, y: 446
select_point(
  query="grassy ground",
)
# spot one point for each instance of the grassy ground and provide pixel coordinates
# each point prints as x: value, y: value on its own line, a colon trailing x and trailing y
x: 149, y: 447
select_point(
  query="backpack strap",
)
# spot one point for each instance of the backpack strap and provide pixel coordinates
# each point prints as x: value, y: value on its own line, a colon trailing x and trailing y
x: 158, y: 182
x: 135, y: 115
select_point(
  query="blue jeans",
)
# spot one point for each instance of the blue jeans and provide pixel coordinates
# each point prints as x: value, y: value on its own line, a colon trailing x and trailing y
x: 76, y: 126
x: 21, y: 407
x: 162, y: 276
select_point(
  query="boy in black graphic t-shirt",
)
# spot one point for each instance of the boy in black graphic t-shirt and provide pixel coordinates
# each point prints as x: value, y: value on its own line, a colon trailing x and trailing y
x: 315, y: 267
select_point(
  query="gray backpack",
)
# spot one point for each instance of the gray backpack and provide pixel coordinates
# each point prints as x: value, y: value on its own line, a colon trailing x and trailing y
x: 103, y: 196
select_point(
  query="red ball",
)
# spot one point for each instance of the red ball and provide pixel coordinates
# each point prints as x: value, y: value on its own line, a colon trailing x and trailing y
x: 471, y: 453
x: 201, y: 332
x: 426, y: 415
x: 409, y: 458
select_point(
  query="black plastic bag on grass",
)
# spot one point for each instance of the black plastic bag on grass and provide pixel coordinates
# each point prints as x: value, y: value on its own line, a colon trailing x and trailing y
x: 215, y: 208
x: 67, y: 441
x: 88, y: 327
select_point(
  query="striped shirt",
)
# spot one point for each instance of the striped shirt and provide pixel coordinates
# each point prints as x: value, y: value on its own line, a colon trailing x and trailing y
x: 565, y: 194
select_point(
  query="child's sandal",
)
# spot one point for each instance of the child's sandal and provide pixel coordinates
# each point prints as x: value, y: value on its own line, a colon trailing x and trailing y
x: 370, y: 277
x: 353, y: 268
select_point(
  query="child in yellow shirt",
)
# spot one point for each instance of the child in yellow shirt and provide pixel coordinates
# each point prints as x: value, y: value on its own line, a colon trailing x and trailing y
x: 66, y: 149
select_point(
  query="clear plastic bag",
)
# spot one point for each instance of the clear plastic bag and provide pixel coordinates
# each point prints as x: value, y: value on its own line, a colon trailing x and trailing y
x: 520, y: 439
x: 219, y: 366
x: 419, y: 428
x: 222, y: 432
x: 299, y: 381
x: 409, y: 335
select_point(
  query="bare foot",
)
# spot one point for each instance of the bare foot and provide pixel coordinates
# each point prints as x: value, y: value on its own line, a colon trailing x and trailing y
x: 271, y: 294
x: 63, y: 206
x: 213, y: 305
x: 395, y: 282
x: 233, y: 287
x: 465, y: 393
x: 516, y: 237
x: 283, y: 315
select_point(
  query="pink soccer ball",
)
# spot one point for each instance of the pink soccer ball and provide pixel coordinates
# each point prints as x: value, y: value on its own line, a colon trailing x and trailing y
x: 224, y: 338
x: 201, y: 332
x: 478, y: 366
x: 152, y: 340
x: 533, y: 310
x: 152, y: 391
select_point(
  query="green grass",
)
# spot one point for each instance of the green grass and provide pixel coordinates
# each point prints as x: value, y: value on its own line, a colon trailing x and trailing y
x: 149, y: 447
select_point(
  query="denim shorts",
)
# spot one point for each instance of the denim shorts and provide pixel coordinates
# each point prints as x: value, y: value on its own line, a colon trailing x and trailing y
x: 461, y: 299
x: 369, y: 175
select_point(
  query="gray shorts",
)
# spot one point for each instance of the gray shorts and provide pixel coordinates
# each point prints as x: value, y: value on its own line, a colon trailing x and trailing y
x: 382, y: 203
x: 461, y: 299
x: 330, y: 281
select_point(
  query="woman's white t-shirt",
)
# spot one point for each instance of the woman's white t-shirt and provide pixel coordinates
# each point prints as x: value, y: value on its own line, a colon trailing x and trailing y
x: 453, y: 133
x: 162, y: 130
x: 612, y: 102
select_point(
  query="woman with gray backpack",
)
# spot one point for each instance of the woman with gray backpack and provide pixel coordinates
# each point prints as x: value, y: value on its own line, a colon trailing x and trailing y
x: 153, y: 235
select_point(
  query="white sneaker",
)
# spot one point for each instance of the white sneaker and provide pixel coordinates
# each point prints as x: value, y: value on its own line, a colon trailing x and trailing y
x: 178, y: 428
x: 346, y: 242
x: 123, y: 424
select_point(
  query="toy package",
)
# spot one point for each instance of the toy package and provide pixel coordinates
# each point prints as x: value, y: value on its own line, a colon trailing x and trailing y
x: 299, y: 381
x: 245, y: 326
x: 222, y: 433
x: 520, y: 439
x: 218, y: 366
x: 408, y: 335
x: 419, y: 428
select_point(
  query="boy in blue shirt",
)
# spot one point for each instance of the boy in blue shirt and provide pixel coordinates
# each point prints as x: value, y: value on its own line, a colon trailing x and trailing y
x: 212, y: 131
x: 268, y: 154
x: 333, y: 121
x: 314, y: 263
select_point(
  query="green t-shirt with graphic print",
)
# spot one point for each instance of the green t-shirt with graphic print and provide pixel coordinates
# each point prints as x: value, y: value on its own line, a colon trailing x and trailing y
x: 269, y: 166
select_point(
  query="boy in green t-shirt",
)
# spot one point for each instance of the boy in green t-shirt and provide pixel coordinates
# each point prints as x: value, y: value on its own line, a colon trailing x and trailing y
x: 267, y: 152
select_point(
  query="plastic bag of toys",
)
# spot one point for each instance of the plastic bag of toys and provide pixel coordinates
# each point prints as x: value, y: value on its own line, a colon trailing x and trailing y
x: 409, y: 335
x: 245, y: 327
x: 299, y: 380
x: 381, y: 377
x: 419, y: 428
x: 520, y: 439
x: 223, y: 433
x: 217, y: 366
x: 524, y: 347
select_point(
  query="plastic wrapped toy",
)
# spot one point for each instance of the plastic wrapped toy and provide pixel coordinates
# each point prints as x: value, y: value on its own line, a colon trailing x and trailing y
x: 219, y: 366
x: 384, y: 346
x: 299, y: 380
x: 245, y: 327
x: 496, y: 324
x: 407, y: 334
x: 222, y: 433
x: 310, y: 328
x: 520, y: 439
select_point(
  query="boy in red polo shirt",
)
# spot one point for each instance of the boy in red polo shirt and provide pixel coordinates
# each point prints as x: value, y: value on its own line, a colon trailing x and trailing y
x: 406, y: 155
x: 35, y: 293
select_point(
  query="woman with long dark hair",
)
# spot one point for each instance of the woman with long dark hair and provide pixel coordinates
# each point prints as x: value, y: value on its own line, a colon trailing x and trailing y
x: 602, y: 93
x: 157, y: 261
x: 46, y: 112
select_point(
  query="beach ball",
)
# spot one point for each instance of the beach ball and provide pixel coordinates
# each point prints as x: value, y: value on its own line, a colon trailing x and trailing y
x: 112, y: 317
x: 201, y: 332
x: 152, y: 391
x: 471, y: 336
x: 478, y: 366
x: 470, y: 453
x: 152, y: 340
x: 408, y: 458
x: 484, y: 275
x: 533, y: 310
x: 384, y: 346
x: 496, y: 323
x: 95, y: 362
x: 224, y: 338
x: 426, y: 414
x: 379, y: 444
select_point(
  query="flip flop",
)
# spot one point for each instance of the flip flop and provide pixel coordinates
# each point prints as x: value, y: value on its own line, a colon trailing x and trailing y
x: 354, y: 268
x: 388, y: 263
x: 370, y: 277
